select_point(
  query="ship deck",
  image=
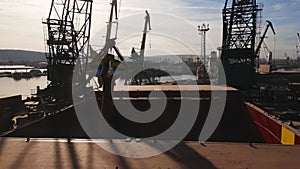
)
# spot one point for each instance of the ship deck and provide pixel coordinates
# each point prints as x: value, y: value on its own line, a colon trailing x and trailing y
x: 37, y: 153
x: 174, y: 88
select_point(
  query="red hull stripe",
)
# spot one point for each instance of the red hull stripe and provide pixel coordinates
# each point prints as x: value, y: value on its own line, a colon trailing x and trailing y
x: 273, y: 132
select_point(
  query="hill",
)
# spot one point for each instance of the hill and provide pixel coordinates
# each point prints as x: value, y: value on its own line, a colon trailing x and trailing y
x: 21, y: 56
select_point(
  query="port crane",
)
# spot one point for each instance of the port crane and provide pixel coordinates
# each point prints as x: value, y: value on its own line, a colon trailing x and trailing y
x: 67, y: 36
x: 238, y: 44
x: 135, y: 56
x: 138, y: 59
x: 269, y: 25
x: 110, y: 42
x: 298, y: 46
x: 146, y: 27
x: 67, y: 39
x: 105, y: 58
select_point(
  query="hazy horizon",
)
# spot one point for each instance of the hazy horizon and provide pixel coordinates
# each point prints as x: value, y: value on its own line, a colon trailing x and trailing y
x: 21, y: 27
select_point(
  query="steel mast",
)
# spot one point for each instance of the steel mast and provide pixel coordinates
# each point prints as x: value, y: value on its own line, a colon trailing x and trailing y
x: 298, y: 46
x: 203, y: 29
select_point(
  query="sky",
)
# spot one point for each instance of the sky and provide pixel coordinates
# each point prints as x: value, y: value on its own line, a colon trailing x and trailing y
x: 174, y: 24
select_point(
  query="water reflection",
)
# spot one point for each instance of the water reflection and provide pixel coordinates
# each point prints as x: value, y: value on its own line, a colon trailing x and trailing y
x: 24, y: 87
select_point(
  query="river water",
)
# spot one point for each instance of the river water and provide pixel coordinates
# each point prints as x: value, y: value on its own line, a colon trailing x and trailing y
x: 24, y: 87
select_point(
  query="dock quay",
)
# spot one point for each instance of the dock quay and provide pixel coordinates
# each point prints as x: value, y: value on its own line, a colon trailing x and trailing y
x: 58, y: 153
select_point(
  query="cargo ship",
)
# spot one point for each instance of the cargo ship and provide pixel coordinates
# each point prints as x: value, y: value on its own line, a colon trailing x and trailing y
x: 246, y: 136
x: 226, y: 128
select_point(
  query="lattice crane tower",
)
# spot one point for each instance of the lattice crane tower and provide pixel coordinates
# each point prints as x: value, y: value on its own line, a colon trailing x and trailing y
x: 238, y: 45
x: 67, y: 38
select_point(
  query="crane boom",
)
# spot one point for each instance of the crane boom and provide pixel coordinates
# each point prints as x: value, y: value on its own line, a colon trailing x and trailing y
x: 110, y: 43
x: 146, y: 28
x: 269, y: 25
x: 114, y: 7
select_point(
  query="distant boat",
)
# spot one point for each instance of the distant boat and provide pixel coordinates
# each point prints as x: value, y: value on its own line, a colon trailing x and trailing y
x: 5, y: 74
x: 17, y: 75
x: 45, y: 73
x: 36, y: 73
x: 26, y: 75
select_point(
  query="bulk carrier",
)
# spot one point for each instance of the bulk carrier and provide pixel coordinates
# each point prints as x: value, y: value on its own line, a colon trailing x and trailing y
x: 46, y: 130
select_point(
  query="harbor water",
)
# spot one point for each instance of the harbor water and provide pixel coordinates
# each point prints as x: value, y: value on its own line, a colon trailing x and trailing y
x: 24, y: 87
